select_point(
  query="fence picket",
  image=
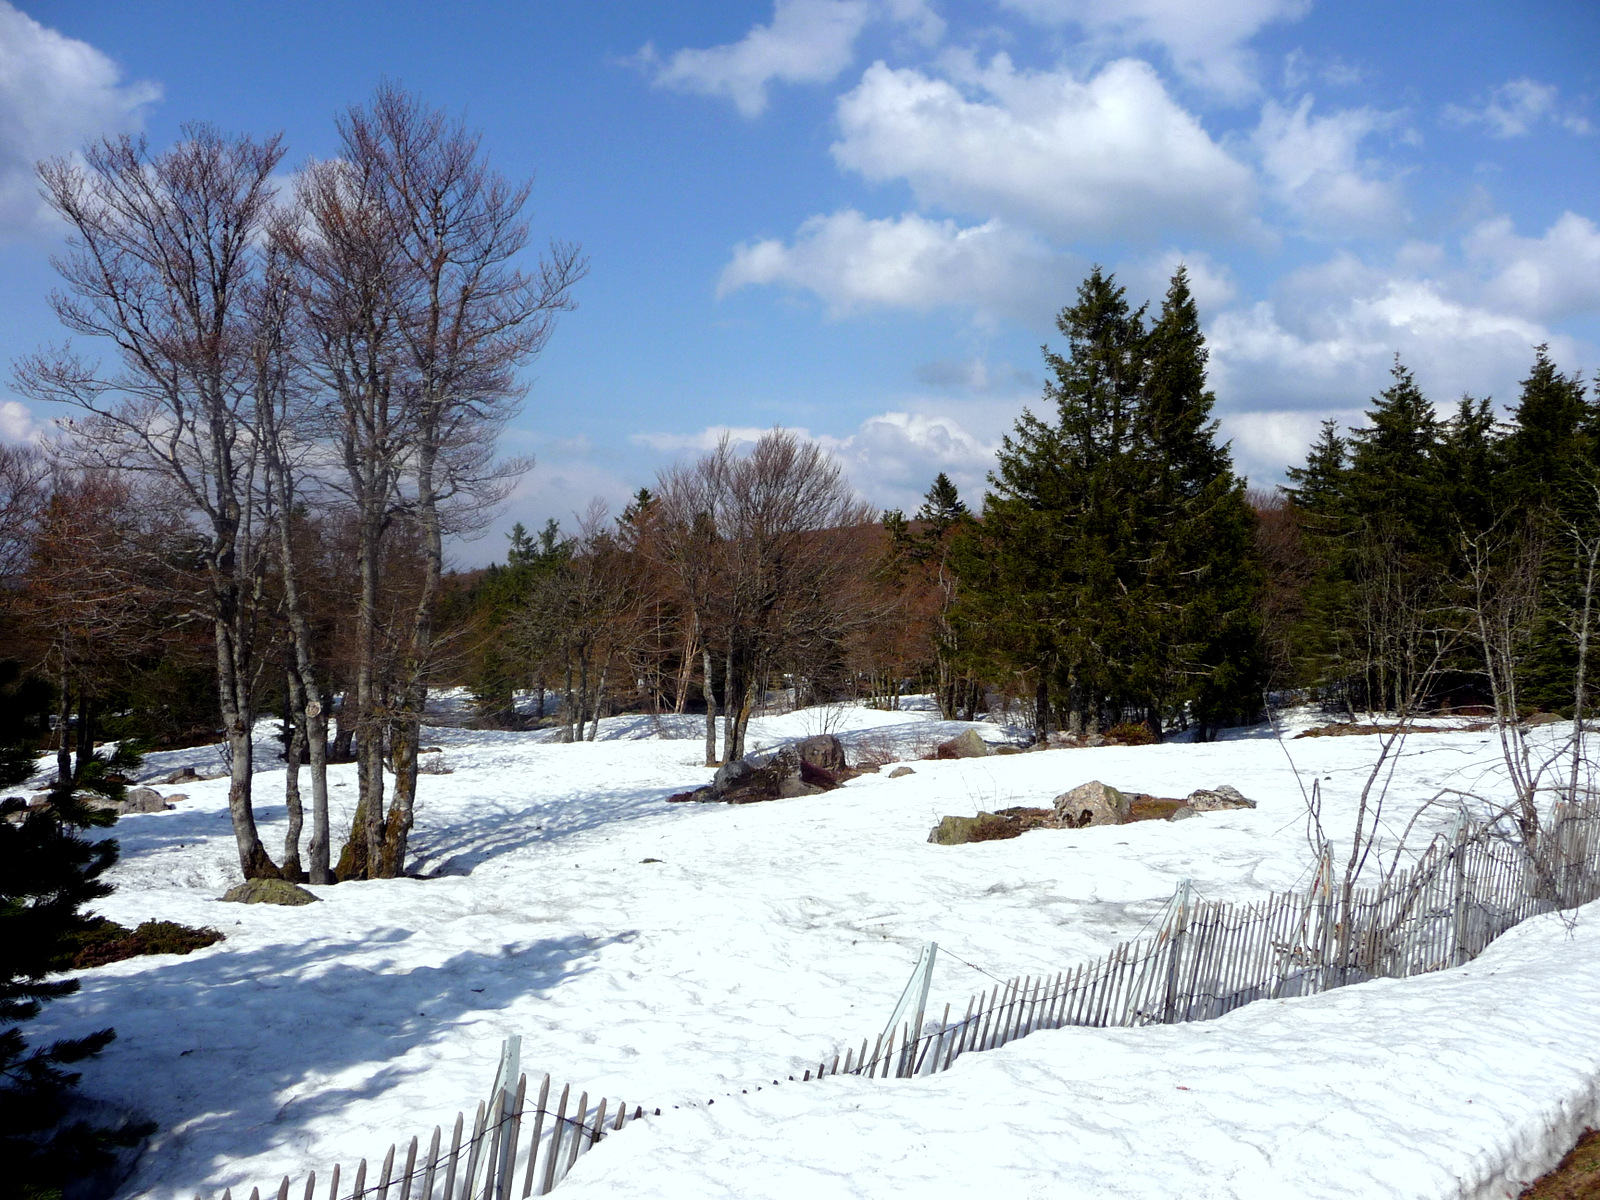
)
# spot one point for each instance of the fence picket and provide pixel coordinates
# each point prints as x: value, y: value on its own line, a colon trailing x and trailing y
x: 533, y: 1140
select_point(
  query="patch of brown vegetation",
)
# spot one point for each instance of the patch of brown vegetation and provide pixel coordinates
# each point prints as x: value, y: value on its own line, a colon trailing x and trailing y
x: 1576, y: 1178
x: 1357, y: 730
x: 107, y: 942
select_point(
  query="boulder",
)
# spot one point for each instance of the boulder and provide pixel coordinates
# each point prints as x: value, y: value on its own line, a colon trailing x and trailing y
x: 730, y: 774
x: 901, y: 772
x: 143, y: 800
x: 1217, y: 799
x: 1090, y: 804
x: 269, y: 891
x: 796, y: 786
x: 989, y: 826
x: 1182, y: 814
x: 966, y: 744
x: 825, y: 751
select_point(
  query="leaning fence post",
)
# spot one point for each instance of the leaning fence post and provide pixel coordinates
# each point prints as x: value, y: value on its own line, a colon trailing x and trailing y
x: 1180, y: 920
x: 1459, y: 855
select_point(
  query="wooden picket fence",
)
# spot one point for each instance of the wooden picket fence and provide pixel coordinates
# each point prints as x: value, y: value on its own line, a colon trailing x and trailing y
x: 486, y: 1165
x: 1207, y: 959
x: 1210, y: 958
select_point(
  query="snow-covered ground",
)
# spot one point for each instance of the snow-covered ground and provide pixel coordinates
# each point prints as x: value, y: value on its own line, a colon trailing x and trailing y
x: 769, y: 936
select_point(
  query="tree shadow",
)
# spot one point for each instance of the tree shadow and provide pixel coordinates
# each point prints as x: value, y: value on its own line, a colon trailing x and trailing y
x: 209, y: 1044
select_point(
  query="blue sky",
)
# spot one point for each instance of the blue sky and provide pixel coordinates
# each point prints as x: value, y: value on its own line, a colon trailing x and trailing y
x: 857, y: 218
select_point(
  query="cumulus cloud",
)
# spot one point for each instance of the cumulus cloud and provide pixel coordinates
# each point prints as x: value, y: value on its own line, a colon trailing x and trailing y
x: 18, y: 424
x: 852, y: 262
x: 1315, y: 167
x: 807, y: 41
x: 55, y: 94
x: 1327, y: 339
x: 891, y: 458
x: 1113, y: 154
x: 1552, y: 276
x: 1206, y: 42
x: 1514, y: 108
x: 1210, y: 282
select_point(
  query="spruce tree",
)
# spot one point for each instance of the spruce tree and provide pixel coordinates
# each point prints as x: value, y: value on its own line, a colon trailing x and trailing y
x: 1202, y: 578
x: 48, y: 872
x: 1114, y: 562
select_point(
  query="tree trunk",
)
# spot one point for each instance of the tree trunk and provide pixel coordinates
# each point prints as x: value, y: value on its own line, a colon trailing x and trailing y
x: 64, y: 728
x: 599, y: 698
x: 1041, y: 706
x: 236, y: 721
x: 730, y: 699
x: 291, y: 776
x: 711, y: 709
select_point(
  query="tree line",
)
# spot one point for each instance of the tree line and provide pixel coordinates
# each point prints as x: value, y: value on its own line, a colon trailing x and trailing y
x: 263, y: 514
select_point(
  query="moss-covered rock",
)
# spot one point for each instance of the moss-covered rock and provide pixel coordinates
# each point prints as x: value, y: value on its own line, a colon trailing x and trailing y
x: 269, y: 891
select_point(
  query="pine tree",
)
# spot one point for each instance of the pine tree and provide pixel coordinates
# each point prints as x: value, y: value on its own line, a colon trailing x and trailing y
x: 1114, y: 562
x: 1203, y: 582
x: 48, y: 872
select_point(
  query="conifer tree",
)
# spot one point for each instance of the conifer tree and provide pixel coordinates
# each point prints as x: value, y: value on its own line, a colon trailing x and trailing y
x: 48, y: 872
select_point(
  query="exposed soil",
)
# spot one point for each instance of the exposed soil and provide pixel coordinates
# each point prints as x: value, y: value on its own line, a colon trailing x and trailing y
x: 1576, y: 1178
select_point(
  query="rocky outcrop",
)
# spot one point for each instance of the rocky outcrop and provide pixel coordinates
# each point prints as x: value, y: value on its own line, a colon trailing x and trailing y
x: 824, y: 751
x: 901, y: 772
x: 269, y: 891
x: 134, y: 800
x: 989, y: 826
x: 815, y: 765
x: 1217, y: 799
x: 1091, y: 804
x: 966, y: 744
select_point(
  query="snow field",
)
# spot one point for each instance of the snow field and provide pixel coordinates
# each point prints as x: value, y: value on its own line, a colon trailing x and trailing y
x: 771, y: 935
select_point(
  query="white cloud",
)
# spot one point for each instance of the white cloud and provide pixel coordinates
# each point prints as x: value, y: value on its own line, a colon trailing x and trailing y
x: 1552, y: 276
x: 55, y: 94
x: 891, y: 458
x: 1514, y: 108
x: 1316, y: 170
x: 1327, y: 340
x: 18, y: 424
x: 1264, y: 443
x: 853, y: 262
x: 807, y: 41
x: 1113, y: 154
x: 1206, y: 41
x: 1210, y: 282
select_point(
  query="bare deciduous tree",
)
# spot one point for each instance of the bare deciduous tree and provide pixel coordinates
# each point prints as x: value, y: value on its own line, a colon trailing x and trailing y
x: 162, y: 250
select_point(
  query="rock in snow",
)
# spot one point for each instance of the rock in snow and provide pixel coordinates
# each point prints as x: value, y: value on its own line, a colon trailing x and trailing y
x: 1089, y: 804
x: 269, y: 891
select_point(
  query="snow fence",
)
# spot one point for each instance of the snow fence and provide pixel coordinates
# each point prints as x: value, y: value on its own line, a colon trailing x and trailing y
x: 1207, y: 959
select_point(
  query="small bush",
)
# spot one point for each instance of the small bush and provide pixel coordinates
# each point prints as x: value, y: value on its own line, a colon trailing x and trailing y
x: 1131, y: 733
x: 105, y: 942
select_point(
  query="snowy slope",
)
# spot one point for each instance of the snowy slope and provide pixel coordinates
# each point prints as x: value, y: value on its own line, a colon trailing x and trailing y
x: 768, y: 937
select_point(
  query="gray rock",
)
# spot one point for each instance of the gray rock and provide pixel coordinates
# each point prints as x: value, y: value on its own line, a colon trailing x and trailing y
x: 966, y: 744
x: 825, y: 751
x: 1090, y: 804
x: 269, y: 891
x: 1218, y: 799
x: 142, y: 800
x: 901, y: 772
x: 730, y: 774
x: 1182, y: 814
x: 795, y: 786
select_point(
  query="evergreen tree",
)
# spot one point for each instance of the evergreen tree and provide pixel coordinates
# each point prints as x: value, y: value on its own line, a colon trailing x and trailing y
x: 1114, y: 562
x: 1203, y: 582
x: 48, y: 872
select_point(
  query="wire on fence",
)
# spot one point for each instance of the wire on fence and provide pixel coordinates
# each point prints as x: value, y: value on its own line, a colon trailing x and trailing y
x: 487, y: 1165
x: 1210, y: 957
